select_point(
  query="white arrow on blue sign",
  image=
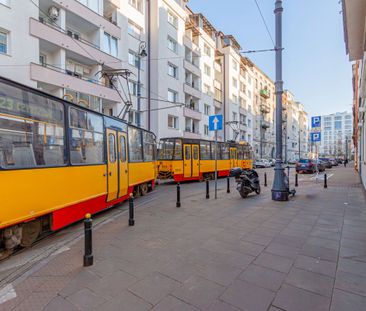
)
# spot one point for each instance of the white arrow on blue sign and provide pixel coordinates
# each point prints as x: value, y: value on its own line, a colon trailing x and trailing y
x: 215, y: 122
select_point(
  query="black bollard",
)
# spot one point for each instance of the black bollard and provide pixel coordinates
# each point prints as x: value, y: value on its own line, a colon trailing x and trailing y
x: 296, y: 180
x: 88, y: 254
x: 207, y: 189
x: 131, y: 220
x: 228, y: 185
x: 265, y: 179
x: 325, y: 181
x: 178, y: 195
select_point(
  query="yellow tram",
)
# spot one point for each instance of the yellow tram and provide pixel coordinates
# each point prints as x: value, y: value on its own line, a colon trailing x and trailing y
x: 184, y: 159
x: 59, y: 161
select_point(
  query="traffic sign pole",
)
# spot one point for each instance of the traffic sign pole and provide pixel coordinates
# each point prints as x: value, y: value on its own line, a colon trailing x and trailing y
x: 215, y: 164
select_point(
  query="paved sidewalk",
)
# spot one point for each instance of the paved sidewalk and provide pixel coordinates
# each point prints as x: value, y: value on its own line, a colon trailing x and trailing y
x: 229, y: 254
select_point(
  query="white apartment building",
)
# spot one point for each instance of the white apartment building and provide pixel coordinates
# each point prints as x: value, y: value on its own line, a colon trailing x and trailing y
x: 354, y: 18
x: 60, y: 46
x: 295, y: 129
x: 336, y: 135
x: 188, y: 70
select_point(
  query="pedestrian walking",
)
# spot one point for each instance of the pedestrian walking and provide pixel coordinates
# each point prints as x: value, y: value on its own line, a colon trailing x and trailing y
x: 345, y: 162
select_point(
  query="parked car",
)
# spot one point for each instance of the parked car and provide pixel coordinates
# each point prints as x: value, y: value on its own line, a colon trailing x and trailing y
x: 320, y: 165
x: 262, y: 163
x: 327, y: 162
x: 306, y: 166
x: 333, y: 161
x: 339, y: 160
x: 272, y: 162
x: 292, y: 161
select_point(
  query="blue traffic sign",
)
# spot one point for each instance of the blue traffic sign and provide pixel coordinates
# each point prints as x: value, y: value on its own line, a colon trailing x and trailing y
x: 315, y: 136
x: 316, y: 121
x: 215, y: 122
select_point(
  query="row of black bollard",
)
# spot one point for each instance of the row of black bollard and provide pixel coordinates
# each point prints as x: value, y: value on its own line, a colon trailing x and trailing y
x: 88, y: 241
x: 207, y: 189
x: 325, y: 181
x: 178, y: 195
x: 228, y: 185
x: 296, y: 180
x: 265, y: 179
x: 131, y: 218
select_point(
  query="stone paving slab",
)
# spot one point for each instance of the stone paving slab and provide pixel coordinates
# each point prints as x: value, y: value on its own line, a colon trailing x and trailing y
x: 229, y: 254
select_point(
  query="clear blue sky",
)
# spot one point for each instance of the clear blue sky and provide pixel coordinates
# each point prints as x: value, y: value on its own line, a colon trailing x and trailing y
x: 316, y: 68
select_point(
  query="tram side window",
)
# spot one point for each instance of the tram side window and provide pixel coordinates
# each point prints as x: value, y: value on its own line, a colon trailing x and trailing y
x: 205, y: 150
x: 240, y: 152
x: 225, y: 151
x: 178, y: 155
x: 213, y: 148
x: 149, y: 146
x: 86, y: 141
x: 135, y: 145
x: 122, y: 152
x: 166, y: 149
x: 31, y: 130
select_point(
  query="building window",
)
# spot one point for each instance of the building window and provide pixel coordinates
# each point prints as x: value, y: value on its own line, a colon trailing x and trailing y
x: 134, y: 87
x: 134, y: 30
x: 173, y: 19
x: 110, y: 45
x: 137, y: 4
x: 235, y: 99
x: 207, y: 70
x: 235, y: 65
x: 206, y: 109
x: 235, y: 116
x: 206, y: 89
x: 4, y: 42
x: 172, y: 45
x: 172, y: 70
x: 205, y: 129
x: 173, y: 122
x: 207, y: 50
x: 235, y: 83
x: 134, y: 59
x: 172, y: 96
x: 43, y: 59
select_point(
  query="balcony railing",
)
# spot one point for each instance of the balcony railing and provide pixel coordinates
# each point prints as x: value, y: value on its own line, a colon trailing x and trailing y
x: 70, y: 34
x: 73, y: 74
x: 265, y: 93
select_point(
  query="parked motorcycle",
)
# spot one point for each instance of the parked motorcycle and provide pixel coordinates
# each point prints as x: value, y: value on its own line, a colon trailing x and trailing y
x: 247, y: 181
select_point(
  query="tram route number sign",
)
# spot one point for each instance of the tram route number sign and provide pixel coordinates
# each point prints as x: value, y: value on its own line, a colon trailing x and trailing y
x: 215, y: 122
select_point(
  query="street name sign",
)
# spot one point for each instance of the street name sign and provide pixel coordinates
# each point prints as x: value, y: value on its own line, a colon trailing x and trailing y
x: 215, y: 122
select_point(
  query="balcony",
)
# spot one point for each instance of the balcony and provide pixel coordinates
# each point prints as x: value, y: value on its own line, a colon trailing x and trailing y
x: 60, y: 77
x: 264, y: 109
x: 191, y: 45
x: 192, y: 67
x: 265, y: 125
x: 59, y: 37
x: 265, y: 93
x: 192, y: 113
x: 189, y: 89
x: 89, y: 15
x: 188, y: 134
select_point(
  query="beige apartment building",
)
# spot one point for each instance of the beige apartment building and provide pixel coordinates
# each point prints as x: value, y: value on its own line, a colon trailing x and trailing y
x: 181, y: 68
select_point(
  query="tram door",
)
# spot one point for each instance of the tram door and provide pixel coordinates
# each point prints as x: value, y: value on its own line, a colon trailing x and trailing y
x: 187, y: 161
x: 191, y: 161
x: 195, y: 161
x: 123, y: 164
x: 233, y: 157
x: 112, y: 172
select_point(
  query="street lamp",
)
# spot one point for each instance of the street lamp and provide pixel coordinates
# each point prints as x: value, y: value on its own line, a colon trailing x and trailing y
x: 279, y: 189
x: 142, y: 54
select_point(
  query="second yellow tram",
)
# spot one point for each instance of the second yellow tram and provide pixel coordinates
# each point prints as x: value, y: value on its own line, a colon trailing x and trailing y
x: 184, y: 159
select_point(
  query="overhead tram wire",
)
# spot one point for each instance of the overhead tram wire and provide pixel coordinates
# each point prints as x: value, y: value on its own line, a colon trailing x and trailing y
x: 264, y: 21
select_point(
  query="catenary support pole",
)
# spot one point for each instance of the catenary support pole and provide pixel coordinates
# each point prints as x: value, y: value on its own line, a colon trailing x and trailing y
x: 279, y: 191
